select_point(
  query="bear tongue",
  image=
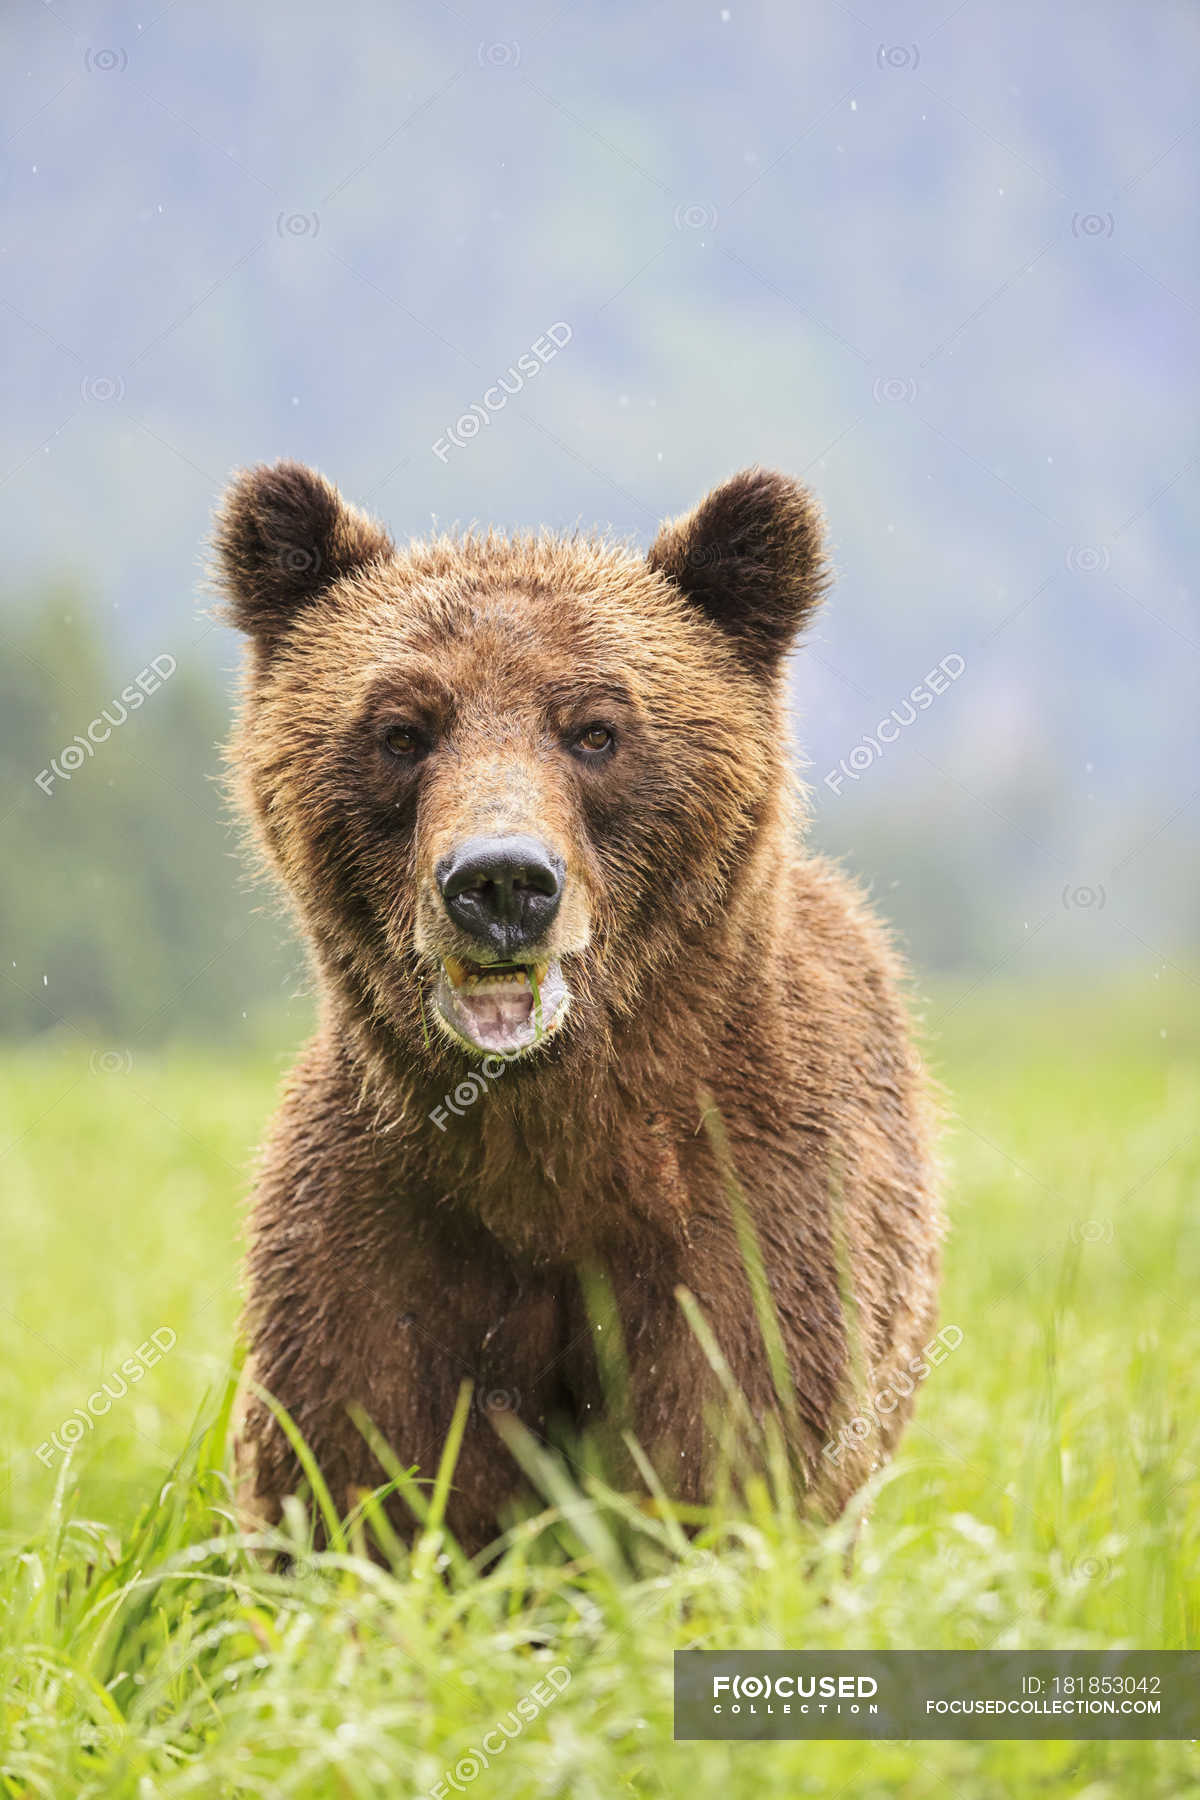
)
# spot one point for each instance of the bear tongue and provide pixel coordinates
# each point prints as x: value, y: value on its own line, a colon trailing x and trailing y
x: 497, y: 1013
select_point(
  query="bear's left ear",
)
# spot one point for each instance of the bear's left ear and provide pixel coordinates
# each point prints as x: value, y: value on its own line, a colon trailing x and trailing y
x: 751, y: 557
x: 282, y: 535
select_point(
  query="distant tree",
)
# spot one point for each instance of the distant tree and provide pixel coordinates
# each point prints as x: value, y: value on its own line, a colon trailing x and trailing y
x: 123, y: 911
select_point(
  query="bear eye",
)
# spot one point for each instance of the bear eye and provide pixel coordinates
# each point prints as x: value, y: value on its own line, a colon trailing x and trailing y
x: 401, y: 741
x: 594, y: 740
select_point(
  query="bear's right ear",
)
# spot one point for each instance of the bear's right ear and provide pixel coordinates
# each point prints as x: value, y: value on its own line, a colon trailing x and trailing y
x: 282, y: 535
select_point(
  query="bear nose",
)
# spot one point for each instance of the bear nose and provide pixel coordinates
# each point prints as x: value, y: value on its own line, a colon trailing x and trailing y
x: 503, y: 890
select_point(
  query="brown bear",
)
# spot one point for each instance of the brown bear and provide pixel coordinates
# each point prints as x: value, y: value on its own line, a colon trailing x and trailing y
x: 593, y: 1027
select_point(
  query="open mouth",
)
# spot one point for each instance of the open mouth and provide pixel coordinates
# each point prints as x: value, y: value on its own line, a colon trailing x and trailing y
x: 505, y: 1008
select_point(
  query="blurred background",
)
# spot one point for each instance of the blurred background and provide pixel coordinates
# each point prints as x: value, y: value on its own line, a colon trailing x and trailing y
x: 940, y: 261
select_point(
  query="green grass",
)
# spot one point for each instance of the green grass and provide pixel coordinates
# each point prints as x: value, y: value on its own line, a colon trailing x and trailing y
x: 1047, y: 1495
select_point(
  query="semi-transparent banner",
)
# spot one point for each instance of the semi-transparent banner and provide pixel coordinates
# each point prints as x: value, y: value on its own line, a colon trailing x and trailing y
x: 937, y: 1694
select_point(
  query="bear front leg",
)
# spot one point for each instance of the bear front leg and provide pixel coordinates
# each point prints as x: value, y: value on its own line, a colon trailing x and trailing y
x: 399, y: 1347
x: 693, y: 1422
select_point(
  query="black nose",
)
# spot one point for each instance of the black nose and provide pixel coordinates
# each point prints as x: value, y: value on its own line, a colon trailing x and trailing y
x: 503, y: 890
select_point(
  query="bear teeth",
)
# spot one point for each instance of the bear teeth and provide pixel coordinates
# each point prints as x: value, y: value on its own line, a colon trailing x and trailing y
x: 474, y: 975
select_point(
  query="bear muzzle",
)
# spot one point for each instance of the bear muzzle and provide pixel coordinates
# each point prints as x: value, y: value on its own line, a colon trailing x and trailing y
x: 502, y: 893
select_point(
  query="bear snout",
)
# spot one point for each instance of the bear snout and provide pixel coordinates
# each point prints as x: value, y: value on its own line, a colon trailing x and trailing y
x: 502, y: 891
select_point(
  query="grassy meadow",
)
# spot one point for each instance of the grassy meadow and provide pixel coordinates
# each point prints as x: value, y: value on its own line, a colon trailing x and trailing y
x: 1048, y: 1493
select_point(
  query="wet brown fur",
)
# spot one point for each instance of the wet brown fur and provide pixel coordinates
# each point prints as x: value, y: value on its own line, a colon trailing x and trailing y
x: 736, y: 1023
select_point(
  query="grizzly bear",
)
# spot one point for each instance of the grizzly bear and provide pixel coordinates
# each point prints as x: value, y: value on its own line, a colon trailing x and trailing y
x: 600, y: 1046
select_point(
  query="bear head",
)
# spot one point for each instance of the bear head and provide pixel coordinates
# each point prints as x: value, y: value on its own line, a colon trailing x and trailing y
x: 508, y: 783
